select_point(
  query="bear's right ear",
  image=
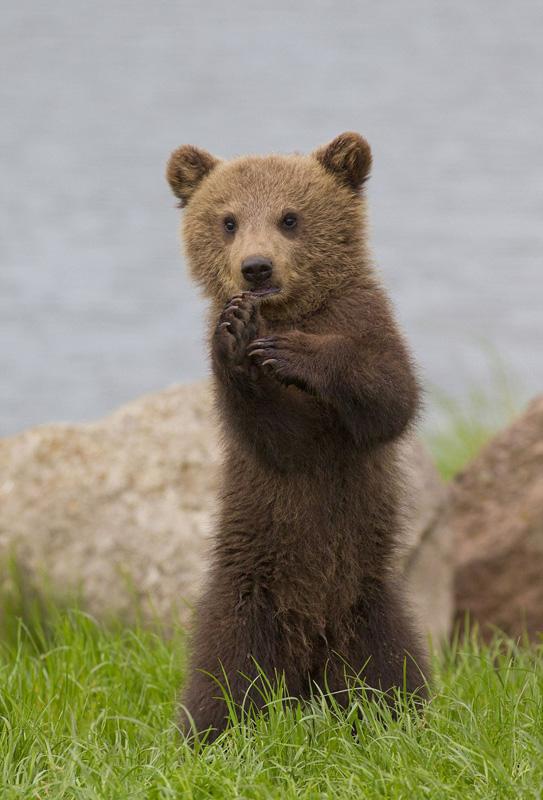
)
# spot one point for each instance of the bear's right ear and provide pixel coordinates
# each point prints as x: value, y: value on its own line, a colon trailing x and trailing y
x: 186, y: 168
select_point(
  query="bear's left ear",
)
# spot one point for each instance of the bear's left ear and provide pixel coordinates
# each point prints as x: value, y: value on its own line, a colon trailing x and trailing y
x: 348, y: 157
x: 187, y: 166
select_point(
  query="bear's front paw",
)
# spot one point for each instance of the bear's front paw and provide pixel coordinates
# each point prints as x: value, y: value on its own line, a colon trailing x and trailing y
x: 237, y: 326
x: 280, y: 357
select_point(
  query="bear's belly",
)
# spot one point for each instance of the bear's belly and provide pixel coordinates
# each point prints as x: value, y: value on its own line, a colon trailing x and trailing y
x: 311, y: 536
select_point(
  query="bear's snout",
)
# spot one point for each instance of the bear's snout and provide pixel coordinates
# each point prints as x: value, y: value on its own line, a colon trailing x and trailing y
x: 256, y: 269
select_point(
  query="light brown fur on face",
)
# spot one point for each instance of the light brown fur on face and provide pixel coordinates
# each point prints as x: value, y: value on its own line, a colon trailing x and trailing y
x: 316, y: 257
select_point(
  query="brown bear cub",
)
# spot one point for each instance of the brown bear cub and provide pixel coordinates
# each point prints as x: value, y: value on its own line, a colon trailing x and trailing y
x: 314, y: 388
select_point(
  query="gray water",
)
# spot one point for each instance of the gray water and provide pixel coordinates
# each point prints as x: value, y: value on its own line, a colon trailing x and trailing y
x: 95, y: 306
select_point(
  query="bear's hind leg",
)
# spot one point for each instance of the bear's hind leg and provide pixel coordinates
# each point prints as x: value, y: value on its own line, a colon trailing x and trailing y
x: 383, y: 651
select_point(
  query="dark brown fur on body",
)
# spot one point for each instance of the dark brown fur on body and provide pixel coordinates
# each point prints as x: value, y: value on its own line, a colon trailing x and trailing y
x: 314, y: 388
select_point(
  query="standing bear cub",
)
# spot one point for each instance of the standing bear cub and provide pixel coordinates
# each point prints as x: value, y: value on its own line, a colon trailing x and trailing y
x: 314, y: 388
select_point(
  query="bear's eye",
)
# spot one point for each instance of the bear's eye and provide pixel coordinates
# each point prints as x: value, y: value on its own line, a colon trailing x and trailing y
x: 289, y: 221
x: 229, y: 223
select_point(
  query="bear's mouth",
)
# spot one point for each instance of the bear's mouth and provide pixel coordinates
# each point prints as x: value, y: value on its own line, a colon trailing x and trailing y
x: 265, y: 290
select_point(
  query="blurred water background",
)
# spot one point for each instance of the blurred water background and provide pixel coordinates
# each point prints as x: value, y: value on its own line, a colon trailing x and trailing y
x: 95, y: 306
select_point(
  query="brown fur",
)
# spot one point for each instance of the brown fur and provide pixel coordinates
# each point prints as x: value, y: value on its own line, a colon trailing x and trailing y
x: 314, y: 387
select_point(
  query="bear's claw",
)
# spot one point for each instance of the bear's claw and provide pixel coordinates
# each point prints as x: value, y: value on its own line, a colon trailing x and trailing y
x: 266, y: 341
x: 237, y: 326
x: 277, y: 356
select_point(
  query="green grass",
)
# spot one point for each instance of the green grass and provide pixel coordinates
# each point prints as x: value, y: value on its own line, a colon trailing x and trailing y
x: 88, y: 712
x: 466, y: 425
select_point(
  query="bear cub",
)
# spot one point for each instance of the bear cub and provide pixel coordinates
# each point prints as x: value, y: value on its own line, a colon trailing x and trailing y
x: 315, y: 389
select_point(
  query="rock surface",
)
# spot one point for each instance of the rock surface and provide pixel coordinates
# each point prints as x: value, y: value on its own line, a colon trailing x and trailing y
x: 121, y: 509
x: 428, y: 558
x: 495, y: 514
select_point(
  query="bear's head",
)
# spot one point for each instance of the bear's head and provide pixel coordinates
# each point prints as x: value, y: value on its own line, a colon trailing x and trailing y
x: 289, y: 228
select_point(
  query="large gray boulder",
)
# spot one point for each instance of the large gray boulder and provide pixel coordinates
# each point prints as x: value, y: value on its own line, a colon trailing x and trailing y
x: 118, y: 510
x: 121, y: 510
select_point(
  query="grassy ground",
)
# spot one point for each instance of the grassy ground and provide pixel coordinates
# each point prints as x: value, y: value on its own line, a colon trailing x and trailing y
x: 466, y: 425
x: 87, y: 712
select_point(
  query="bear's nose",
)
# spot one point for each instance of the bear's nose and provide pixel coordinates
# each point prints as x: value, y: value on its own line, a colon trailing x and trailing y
x: 256, y: 269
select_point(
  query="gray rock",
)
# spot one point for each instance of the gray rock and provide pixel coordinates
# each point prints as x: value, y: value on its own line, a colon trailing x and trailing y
x: 427, y: 554
x: 119, y: 510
